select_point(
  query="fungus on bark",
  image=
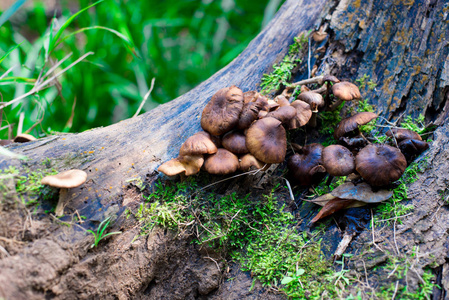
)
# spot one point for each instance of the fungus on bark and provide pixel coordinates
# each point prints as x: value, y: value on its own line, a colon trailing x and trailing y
x: 64, y: 180
x: 411, y: 148
x: 24, y: 138
x: 266, y: 139
x: 349, y: 127
x: 199, y: 143
x: 221, y: 163
x: 305, y: 166
x: 401, y: 134
x: 188, y: 164
x: 338, y: 160
x: 345, y: 91
x: 235, y: 141
x: 380, y: 164
x: 221, y: 113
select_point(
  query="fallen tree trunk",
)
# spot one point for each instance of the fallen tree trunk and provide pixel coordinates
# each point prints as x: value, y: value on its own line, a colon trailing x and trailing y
x: 402, y: 47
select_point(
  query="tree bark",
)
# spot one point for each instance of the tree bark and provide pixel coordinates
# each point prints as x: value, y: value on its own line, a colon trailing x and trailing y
x: 402, y: 46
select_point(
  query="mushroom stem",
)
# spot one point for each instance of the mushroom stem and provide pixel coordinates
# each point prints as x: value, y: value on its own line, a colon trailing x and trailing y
x: 62, y: 202
x: 335, y: 105
x: 320, y: 90
x: 317, y: 79
x: 312, y: 122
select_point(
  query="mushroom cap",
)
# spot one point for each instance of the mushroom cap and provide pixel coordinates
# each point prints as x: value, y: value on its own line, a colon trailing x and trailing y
x: 315, y: 100
x: 401, y: 134
x: 66, y: 179
x: 190, y: 164
x: 303, y: 114
x: 412, y: 148
x: 282, y: 100
x: 305, y: 166
x: 250, y: 96
x: 266, y: 139
x: 351, y: 124
x: 380, y: 164
x: 199, y: 143
x: 24, y: 138
x: 346, y: 91
x: 330, y: 78
x: 283, y: 114
x: 221, y: 163
x: 221, y: 113
x: 235, y: 141
x: 338, y: 160
x: 249, y: 114
x: 248, y: 160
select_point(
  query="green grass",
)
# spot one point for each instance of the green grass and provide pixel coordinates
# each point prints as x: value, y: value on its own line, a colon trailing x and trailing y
x: 180, y: 43
x: 100, y: 233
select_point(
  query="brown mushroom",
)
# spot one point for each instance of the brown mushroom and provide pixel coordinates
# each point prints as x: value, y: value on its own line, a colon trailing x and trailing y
x: 283, y: 114
x: 411, y: 148
x: 350, y: 126
x: 338, y: 160
x: 199, y: 143
x: 221, y: 163
x: 249, y: 114
x: 380, y: 164
x: 303, y: 114
x: 401, y: 134
x: 315, y: 100
x: 24, y: 138
x: 248, y: 160
x: 64, y: 180
x: 266, y: 139
x: 305, y: 166
x: 344, y: 91
x: 235, y: 141
x: 222, y: 112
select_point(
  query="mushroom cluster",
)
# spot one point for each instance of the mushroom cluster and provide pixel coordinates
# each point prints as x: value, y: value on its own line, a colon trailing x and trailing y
x: 248, y: 130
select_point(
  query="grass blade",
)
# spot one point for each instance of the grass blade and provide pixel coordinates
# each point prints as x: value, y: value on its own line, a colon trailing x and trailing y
x: 54, y: 40
x: 9, y: 52
x: 10, y: 11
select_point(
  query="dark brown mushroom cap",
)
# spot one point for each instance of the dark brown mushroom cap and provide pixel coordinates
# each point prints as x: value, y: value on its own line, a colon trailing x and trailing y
x: 235, y: 141
x: 305, y: 166
x: 346, y: 91
x: 222, y: 112
x: 266, y: 139
x: 351, y: 124
x: 249, y: 114
x: 67, y: 179
x: 283, y: 114
x: 190, y: 164
x: 248, y: 160
x: 24, y: 138
x: 412, y: 148
x: 221, y: 163
x: 303, y: 114
x: 315, y: 100
x: 380, y: 164
x: 330, y: 78
x: 199, y: 143
x: 401, y: 134
x: 338, y: 160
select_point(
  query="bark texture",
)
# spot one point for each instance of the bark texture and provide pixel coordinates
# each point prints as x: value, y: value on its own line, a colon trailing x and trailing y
x: 401, y: 45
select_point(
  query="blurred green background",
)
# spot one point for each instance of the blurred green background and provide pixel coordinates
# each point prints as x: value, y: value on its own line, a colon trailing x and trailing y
x: 179, y: 43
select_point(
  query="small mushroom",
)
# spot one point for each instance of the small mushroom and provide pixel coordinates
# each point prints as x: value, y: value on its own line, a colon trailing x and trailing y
x: 221, y: 113
x: 221, y: 163
x: 24, y: 138
x: 349, y: 127
x: 266, y: 139
x: 248, y: 160
x: 380, y: 164
x: 64, y: 180
x: 315, y: 100
x: 188, y: 164
x: 344, y: 91
x: 283, y: 114
x: 303, y: 114
x: 411, y: 148
x: 305, y: 166
x: 338, y: 160
x: 249, y: 114
x: 235, y: 142
x: 199, y: 143
x: 401, y: 134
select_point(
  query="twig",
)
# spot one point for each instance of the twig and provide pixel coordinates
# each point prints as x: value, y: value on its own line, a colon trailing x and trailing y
x: 216, y: 263
x: 254, y: 172
x: 20, y: 125
x: 398, y: 217
x: 3, y: 250
x: 145, y: 98
x: 372, y: 227
x: 308, y: 58
x: 395, y: 290
x: 290, y: 190
x: 316, y: 79
x: 7, y: 72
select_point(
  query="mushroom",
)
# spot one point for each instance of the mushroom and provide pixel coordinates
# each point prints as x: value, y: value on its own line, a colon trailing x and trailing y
x: 345, y: 91
x: 24, y: 138
x: 235, y: 142
x: 221, y: 163
x: 249, y: 114
x: 411, y: 148
x: 305, y: 166
x: 349, y: 127
x: 199, y: 143
x: 222, y: 112
x: 248, y: 160
x: 315, y: 100
x: 190, y: 164
x: 64, y: 180
x: 303, y: 114
x: 266, y: 139
x: 380, y: 164
x: 338, y: 160
x: 401, y: 134
x: 283, y: 114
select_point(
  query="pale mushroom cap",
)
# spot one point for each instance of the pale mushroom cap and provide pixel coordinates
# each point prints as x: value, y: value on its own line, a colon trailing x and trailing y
x: 315, y: 100
x: 23, y: 138
x: 172, y: 167
x: 66, y: 179
x: 248, y: 160
x: 190, y: 164
x: 303, y: 114
x: 221, y: 163
x: 346, y: 91
x: 199, y: 143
